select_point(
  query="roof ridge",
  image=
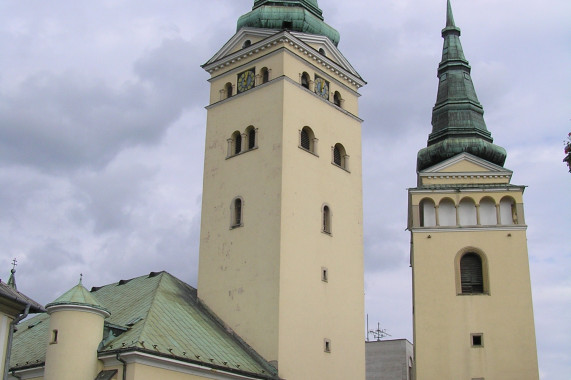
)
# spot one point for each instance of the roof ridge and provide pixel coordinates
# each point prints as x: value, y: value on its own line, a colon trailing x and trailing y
x: 153, y: 301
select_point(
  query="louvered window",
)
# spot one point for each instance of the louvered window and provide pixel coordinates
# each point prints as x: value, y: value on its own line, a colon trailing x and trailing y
x: 305, y: 139
x: 471, y: 275
x: 337, y: 156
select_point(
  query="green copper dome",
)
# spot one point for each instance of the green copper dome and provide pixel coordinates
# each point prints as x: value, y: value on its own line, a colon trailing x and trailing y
x: 457, y: 117
x: 297, y: 15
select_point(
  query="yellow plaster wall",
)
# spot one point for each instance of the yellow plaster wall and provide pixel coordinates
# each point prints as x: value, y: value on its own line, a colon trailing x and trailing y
x: 5, y: 321
x: 443, y: 320
x: 264, y: 279
x: 137, y: 371
x: 74, y: 356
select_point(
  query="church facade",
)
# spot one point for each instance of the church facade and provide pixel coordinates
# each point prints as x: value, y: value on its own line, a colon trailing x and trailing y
x: 281, y: 279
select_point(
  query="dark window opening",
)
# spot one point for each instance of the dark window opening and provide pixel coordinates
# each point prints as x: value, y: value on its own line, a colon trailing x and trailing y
x: 327, y: 347
x: 228, y: 90
x: 477, y: 340
x: 246, y: 44
x: 252, y: 138
x: 337, y: 99
x: 265, y: 75
x: 326, y: 220
x: 322, y: 52
x: 237, y: 212
x: 337, y: 156
x: 471, y: 275
x: 305, y: 80
x: 305, y: 143
x: 287, y: 25
x: 238, y: 144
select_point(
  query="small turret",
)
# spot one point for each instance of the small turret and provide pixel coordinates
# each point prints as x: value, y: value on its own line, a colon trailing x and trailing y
x: 457, y: 117
x: 76, y: 329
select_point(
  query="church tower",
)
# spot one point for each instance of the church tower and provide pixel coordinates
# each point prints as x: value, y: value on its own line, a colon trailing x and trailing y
x: 281, y: 251
x: 473, y: 316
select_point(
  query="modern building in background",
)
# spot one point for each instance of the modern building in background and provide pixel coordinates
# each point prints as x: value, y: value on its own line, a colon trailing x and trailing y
x: 389, y: 359
x: 473, y: 314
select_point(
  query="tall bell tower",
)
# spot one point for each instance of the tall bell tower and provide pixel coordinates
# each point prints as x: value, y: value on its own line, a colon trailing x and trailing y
x: 473, y: 315
x: 281, y: 251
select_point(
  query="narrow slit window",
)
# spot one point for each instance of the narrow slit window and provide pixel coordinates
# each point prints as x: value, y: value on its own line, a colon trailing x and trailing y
x: 327, y: 345
x: 324, y: 274
x: 54, y: 337
x: 326, y: 220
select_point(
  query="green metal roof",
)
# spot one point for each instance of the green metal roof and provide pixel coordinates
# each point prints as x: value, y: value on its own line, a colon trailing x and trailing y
x: 162, y: 316
x: 297, y: 15
x: 457, y: 117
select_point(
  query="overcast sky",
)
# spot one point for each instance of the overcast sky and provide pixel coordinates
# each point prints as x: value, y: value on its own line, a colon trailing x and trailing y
x: 102, y: 125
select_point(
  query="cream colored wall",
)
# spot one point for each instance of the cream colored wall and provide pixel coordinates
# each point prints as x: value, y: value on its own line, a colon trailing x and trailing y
x: 239, y: 268
x: 137, y: 371
x: 312, y: 310
x: 5, y: 321
x: 443, y: 320
x: 74, y: 357
x: 264, y: 279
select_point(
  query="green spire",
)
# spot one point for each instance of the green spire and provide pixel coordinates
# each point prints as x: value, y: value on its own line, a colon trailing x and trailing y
x: 457, y: 117
x: 297, y: 15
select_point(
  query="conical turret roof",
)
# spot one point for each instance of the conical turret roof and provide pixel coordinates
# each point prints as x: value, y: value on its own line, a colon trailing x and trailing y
x: 77, y: 296
x: 457, y: 117
x: 297, y: 15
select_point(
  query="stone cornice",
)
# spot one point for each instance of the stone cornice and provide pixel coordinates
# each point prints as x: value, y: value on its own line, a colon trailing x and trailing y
x: 285, y: 38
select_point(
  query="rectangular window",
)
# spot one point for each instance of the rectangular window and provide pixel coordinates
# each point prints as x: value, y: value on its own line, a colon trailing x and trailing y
x: 477, y: 340
x: 54, y: 337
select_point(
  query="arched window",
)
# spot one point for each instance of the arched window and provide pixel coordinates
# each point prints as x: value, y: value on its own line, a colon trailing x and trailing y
x: 508, y: 213
x: 471, y: 274
x: 236, y: 143
x: 322, y: 52
x: 228, y: 89
x: 340, y: 157
x: 427, y: 213
x: 488, y: 214
x: 237, y: 210
x: 305, y: 80
x: 467, y: 212
x: 337, y: 99
x: 265, y: 75
x: 246, y: 44
x: 326, y: 220
x: 307, y: 140
x: 447, y: 212
x: 251, y: 133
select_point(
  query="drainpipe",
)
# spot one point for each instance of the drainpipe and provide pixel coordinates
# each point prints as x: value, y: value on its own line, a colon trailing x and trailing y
x: 124, y: 366
x: 10, y: 338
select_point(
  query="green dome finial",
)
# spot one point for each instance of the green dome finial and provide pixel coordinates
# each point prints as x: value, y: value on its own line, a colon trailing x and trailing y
x: 297, y: 15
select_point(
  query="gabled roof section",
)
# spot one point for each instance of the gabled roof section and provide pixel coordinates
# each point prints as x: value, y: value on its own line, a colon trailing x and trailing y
x: 14, y: 302
x: 465, y: 168
x: 335, y: 62
x: 163, y: 317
